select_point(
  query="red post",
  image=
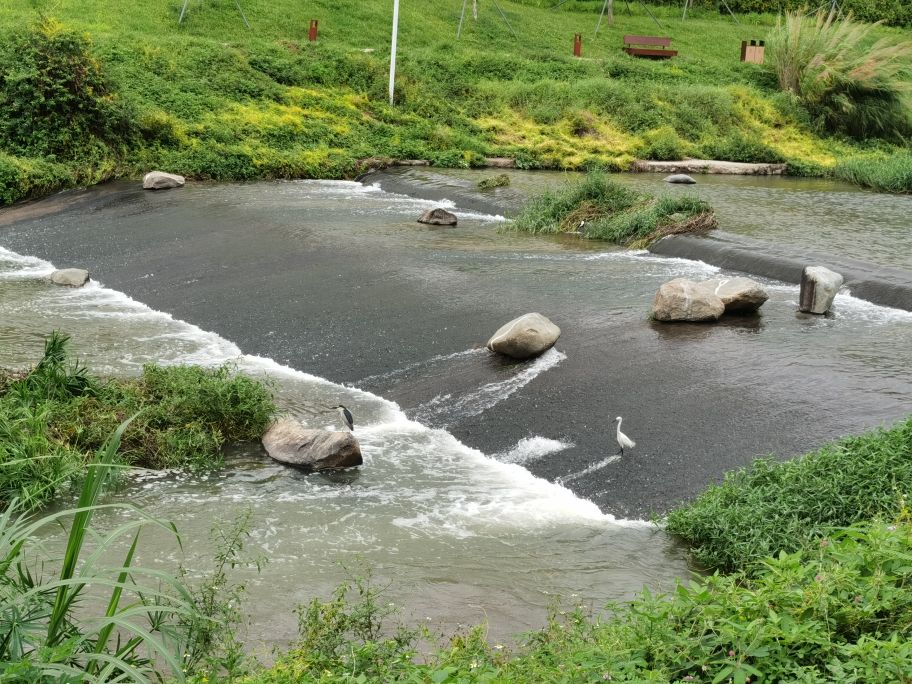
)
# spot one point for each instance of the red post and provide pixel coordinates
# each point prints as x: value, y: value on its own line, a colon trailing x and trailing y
x: 312, y: 36
x: 577, y: 45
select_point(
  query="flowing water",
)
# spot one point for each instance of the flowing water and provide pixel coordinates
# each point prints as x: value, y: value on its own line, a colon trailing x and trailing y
x: 489, y: 487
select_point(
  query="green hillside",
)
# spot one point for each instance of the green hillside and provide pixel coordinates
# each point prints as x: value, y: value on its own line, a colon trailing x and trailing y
x: 212, y: 99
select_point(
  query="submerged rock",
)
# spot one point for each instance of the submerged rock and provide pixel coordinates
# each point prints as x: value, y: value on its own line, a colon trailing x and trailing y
x: 819, y: 286
x: 524, y: 337
x: 438, y: 217
x: 685, y: 300
x: 159, y: 180
x: 70, y: 277
x: 287, y: 441
x: 681, y: 178
x: 738, y: 294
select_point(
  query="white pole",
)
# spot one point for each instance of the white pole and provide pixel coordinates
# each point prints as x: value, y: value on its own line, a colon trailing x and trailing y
x: 393, y: 48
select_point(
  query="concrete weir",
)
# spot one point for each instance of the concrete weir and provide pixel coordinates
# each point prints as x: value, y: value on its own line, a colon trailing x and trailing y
x: 881, y: 285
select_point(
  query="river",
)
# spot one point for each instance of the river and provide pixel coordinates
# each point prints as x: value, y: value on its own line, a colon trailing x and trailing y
x: 489, y: 487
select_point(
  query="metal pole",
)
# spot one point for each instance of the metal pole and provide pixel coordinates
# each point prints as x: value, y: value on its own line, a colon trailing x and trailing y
x: 504, y: 17
x: 686, y: 5
x: 183, y: 11
x: 461, y: 17
x: 598, y: 25
x: 645, y: 7
x: 238, y: 5
x: 393, y: 49
x: 730, y: 12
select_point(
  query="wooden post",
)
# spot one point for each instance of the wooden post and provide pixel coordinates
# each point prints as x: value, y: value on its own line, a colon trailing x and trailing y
x: 577, y: 45
x: 312, y: 35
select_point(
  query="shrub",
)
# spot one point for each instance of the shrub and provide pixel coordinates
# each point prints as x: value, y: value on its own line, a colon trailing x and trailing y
x: 771, y: 507
x: 55, y: 100
x: 850, y: 85
x: 738, y: 147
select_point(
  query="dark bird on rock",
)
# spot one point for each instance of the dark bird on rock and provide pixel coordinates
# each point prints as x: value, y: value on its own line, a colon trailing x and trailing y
x: 347, y: 417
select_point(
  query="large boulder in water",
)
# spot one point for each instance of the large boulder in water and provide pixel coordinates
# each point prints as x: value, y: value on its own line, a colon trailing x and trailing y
x: 70, y: 277
x: 524, y: 337
x: 685, y: 300
x: 159, y: 180
x: 738, y: 294
x: 681, y: 178
x: 287, y: 441
x: 438, y: 217
x: 819, y: 286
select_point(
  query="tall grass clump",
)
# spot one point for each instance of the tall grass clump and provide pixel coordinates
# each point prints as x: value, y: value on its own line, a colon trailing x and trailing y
x: 50, y: 632
x: 890, y: 173
x: 850, y: 83
x: 599, y: 208
x: 54, y: 416
x: 770, y: 507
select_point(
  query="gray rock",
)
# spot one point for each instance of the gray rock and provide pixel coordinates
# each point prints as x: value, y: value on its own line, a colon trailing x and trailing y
x: 159, y: 180
x: 685, y: 300
x: 682, y: 178
x: 524, y: 337
x: 819, y: 286
x: 71, y: 277
x: 287, y: 441
x: 438, y: 217
x: 738, y: 294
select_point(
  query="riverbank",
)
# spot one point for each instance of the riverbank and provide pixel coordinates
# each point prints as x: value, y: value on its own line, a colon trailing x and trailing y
x: 278, y: 106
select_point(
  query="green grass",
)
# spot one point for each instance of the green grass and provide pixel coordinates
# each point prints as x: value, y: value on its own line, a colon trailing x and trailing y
x: 610, y: 211
x: 54, y: 417
x: 772, y: 507
x: 892, y: 173
x: 211, y: 99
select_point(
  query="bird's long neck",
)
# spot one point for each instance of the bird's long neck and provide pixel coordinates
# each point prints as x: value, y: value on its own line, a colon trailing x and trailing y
x: 620, y: 420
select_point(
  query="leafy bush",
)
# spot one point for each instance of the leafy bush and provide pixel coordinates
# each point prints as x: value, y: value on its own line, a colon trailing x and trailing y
x: 739, y: 147
x: 773, y: 507
x: 55, y: 101
x: 599, y: 208
x: 850, y: 85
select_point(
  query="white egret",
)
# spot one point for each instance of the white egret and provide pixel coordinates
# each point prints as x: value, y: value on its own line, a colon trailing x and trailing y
x: 623, y: 440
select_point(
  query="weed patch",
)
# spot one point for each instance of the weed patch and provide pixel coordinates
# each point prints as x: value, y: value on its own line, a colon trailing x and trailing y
x: 772, y: 507
x: 601, y: 209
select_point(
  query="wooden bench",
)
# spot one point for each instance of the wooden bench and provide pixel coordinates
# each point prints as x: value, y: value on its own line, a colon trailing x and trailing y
x: 658, y: 47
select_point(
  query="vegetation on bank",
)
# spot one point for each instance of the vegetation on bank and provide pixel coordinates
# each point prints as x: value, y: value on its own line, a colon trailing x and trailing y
x: 54, y: 417
x: 601, y: 209
x: 109, y: 90
x: 90, y: 621
x: 891, y: 12
x: 773, y: 507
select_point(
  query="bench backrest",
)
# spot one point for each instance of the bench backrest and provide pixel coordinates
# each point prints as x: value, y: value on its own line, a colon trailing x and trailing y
x: 647, y: 40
